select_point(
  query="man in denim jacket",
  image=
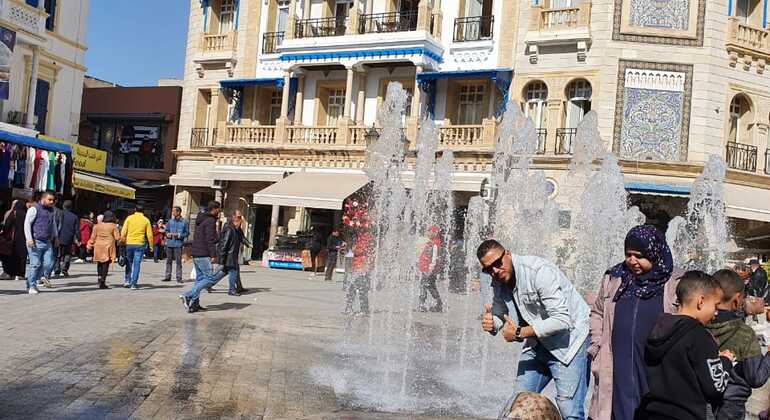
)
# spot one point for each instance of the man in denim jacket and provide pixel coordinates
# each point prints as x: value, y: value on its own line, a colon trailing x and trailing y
x: 177, y: 230
x: 534, y: 303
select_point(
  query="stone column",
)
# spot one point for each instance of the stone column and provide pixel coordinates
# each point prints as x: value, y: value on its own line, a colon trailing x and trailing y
x: 298, y: 100
x: 361, y: 98
x: 353, y: 17
x: 417, y: 96
x: 285, y: 96
x: 349, y: 93
x: 552, y: 122
x: 32, y: 94
x: 369, y: 7
x: 292, y: 21
x: 423, y: 16
x: 306, y: 10
x: 273, y: 225
x: 438, y: 18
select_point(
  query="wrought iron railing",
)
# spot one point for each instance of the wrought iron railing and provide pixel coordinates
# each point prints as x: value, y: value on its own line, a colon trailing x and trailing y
x: 388, y: 22
x: 474, y: 28
x: 321, y: 27
x: 741, y: 156
x: 201, y: 138
x: 767, y: 162
x: 271, y: 41
x: 564, y: 139
x: 542, y: 134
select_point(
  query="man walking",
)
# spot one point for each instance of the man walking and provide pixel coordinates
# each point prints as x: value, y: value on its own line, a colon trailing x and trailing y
x: 137, y: 235
x: 177, y: 230
x: 40, y: 233
x: 534, y: 303
x: 204, y: 253
x: 758, y: 280
x: 333, y: 246
x: 229, y: 250
x: 68, y: 233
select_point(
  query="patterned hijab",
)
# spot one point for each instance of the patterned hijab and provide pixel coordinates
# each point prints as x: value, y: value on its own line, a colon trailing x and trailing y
x: 652, y: 244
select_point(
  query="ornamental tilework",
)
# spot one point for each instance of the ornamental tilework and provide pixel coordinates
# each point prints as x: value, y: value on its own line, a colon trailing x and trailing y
x: 652, y: 124
x: 660, y: 14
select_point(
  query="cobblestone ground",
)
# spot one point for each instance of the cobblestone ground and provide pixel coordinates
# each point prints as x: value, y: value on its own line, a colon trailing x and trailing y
x: 78, y: 352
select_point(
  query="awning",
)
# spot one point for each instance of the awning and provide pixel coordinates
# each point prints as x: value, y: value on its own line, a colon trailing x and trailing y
x: 239, y: 83
x: 34, y: 142
x: 102, y: 184
x: 126, y: 117
x: 666, y: 190
x: 435, y: 75
x: 320, y: 190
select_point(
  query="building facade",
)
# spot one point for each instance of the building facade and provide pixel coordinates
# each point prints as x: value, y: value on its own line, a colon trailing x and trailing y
x: 46, y: 65
x: 281, y: 87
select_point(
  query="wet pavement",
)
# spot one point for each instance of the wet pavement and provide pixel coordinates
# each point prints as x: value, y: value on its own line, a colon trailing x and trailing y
x: 78, y: 352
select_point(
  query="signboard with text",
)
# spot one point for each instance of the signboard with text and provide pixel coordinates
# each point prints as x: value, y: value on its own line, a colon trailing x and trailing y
x: 7, y: 43
x: 89, y: 159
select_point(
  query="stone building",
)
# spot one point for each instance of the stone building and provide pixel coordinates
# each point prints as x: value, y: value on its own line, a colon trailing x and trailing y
x: 280, y: 94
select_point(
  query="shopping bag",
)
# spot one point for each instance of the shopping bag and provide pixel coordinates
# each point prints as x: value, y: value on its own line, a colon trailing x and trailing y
x: 192, y: 274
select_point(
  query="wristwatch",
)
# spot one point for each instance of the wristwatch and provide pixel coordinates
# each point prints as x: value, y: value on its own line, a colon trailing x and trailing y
x: 517, y: 335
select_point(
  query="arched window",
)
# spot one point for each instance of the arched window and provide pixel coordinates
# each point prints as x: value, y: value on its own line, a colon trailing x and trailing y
x: 740, y: 117
x: 578, y: 94
x: 535, y: 95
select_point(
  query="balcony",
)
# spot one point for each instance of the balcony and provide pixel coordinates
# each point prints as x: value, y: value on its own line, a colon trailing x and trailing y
x: 747, y: 44
x: 216, y: 50
x: 321, y: 27
x: 565, y: 138
x: 388, y: 22
x: 218, y: 42
x: 542, y: 135
x: 271, y: 41
x: 559, y: 27
x: 23, y: 16
x: 742, y: 157
x: 201, y: 138
x: 244, y: 135
x: 477, y: 28
x: 316, y: 135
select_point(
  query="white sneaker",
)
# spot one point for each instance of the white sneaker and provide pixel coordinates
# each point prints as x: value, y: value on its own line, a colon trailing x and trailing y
x: 33, y: 291
x: 18, y: 278
x: 46, y: 282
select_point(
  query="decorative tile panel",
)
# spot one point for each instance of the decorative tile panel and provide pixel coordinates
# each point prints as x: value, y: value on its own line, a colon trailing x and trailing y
x: 672, y: 22
x: 660, y: 14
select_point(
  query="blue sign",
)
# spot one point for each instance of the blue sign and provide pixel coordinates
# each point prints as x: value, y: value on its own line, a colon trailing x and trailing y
x: 7, y: 42
x: 288, y: 265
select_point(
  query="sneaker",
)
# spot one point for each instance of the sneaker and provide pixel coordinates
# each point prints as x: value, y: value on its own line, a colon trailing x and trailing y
x: 185, y: 302
x: 134, y: 287
x: 233, y: 293
x: 179, y: 281
x: 126, y: 285
x: 33, y: 291
x: 210, y: 289
x: 166, y: 280
x: 46, y: 283
x: 65, y: 274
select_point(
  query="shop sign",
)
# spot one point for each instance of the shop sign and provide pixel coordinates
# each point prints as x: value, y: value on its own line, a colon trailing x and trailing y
x: 103, y: 188
x: 89, y: 159
x: 7, y: 42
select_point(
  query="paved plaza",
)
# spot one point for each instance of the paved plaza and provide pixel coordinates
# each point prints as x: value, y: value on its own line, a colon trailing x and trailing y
x: 78, y: 352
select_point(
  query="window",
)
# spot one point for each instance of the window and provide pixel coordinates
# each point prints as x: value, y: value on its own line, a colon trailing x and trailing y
x: 50, y: 8
x: 131, y: 145
x: 561, y: 4
x: 275, y: 105
x: 470, y: 104
x: 578, y: 102
x: 336, y: 106
x: 535, y: 95
x: 283, y: 16
x: 226, y: 16
x: 739, y: 116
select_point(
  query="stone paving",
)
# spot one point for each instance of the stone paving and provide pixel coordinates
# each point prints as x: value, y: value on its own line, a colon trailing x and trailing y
x: 78, y: 352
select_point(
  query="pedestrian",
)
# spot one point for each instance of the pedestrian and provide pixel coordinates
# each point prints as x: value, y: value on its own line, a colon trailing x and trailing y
x: 15, y: 262
x: 429, y: 267
x: 102, y: 242
x: 137, y: 236
x: 204, y: 253
x: 69, y: 234
x: 734, y: 335
x: 685, y: 370
x: 229, y: 249
x: 631, y: 296
x: 177, y: 231
x: 86, y: 226
x: 58, y: 216
x: 759, y: 280
x: 534, y: 303
x: 158, y: 230
x: 360, y: 282
x: 316, y: 239
x: 333, y: 246
x: 40, y: 233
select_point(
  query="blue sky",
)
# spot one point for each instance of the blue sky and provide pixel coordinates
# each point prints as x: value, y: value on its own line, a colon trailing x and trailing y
x: 136, y: 42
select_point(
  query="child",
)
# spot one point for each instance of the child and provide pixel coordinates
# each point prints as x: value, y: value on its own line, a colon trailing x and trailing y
x: 752, y: 369
x: 685, y: 372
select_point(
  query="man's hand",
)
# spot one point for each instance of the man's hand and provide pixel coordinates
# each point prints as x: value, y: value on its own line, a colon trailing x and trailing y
x: 509, y: 329
x: 487, y: 321
x: 213, y: 260
x: 728, y: 354
x: 30, y: 244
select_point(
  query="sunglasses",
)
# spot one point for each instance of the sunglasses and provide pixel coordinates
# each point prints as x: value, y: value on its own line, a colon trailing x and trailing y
x: 496, y: 264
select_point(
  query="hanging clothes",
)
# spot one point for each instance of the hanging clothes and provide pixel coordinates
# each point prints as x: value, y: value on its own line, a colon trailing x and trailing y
x: 5, y: 164
x: 57, y: 178
x: 42, y: 179
x: 51, y: 171
x: 63, y: 173
x: 21, y: 167
x: 31, y: 157
x: 12, y: 166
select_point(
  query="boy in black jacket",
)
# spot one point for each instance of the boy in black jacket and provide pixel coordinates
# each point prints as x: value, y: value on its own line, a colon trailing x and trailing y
x: 752, y: 368
x: 685, y: 370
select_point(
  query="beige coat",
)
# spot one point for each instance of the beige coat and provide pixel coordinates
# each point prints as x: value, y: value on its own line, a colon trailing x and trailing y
x: 601, y: 320
x: 103, y: 240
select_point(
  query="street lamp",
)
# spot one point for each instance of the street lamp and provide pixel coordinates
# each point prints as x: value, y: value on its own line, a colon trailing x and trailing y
x: 371, y: 136
x: 488, y: 190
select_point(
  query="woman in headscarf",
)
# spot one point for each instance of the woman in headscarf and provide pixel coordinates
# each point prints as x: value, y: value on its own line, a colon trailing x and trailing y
x: 632, y: 295
x: 102, y: 242
x: 13, y: 226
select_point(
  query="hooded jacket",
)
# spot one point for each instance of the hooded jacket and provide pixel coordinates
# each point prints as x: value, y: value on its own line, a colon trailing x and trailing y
x: 684, y: 370
x: 752, y: 369
x: 205, y: 240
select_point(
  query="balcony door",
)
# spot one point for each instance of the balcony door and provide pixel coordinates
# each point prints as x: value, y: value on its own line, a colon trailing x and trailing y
x: 561, y: 4
x: 578, y: 103
x: 470, y: 104
x: 335, y: 107
x: 742, y: 11
x: 282, y: 16
x: 226, y: 16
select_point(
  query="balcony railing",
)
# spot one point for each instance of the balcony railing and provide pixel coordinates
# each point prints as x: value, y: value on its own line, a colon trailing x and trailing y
x: 474, y: 28
x: 556, y: 19
x: 262, y: 134
x: 321, y: 27
x: 271, y: 41
x: 200, y: 138
x: 388, y: 22
x: 461, y: 135
x: 542, y: 134
x: 311, y: 135
x: 565, y: 137
x: 218, y: 42
x: 742, y: 38
x: 742, y: 157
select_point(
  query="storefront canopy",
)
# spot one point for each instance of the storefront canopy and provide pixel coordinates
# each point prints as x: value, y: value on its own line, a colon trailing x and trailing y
x: 34, y: 142
x: 665, y: 190
x: 239, y: 83
x: 102, y: 184
x: 464, y: 74
x: 318, y: 190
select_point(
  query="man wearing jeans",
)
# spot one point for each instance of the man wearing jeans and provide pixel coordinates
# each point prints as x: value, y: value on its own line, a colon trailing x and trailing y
x: 534, y: 303
x: 40, y: 233
x: 137, y: 235
x: 204, y: 253
x: 176, y: 233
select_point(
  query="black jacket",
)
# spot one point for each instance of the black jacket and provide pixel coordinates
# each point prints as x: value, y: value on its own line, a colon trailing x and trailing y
x: 758, y: 284
x: 229, y: 246
x: 205, y: 241
x: 684, y: 371
x: 69, y: 230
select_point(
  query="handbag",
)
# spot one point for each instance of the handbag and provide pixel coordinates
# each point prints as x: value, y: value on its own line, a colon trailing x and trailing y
x: 122, y: 256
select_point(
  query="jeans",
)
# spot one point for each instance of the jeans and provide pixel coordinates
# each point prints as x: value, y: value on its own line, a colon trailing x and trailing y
x: 537, y: 367
x: 156, y: 252
x: 428, y: 284
x: 63, y: 259
x: 174, y: 255
x: 204, y: 277
x: 134, y: 255
x: 331, y: 265
x: 40, y: 261
x: 232, y: 278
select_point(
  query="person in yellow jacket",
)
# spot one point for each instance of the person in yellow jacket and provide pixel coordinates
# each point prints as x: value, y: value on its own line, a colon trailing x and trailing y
x: 137, y: 236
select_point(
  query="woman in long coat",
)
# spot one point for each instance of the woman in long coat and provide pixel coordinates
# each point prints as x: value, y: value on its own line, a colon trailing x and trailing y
x: 102, y: 242
x: 13, y: 225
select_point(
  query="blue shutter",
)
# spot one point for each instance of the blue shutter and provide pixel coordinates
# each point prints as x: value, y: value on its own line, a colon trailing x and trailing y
x: 33, y: 3
x: 237, y: 12
x: 50, y: 8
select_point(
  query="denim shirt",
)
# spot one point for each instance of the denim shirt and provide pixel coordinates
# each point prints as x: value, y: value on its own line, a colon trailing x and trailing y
x: 177, y: 226
x: 548, y: 302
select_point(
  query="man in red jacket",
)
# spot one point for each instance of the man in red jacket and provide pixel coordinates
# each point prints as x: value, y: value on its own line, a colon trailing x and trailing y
x: 428, y: 266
